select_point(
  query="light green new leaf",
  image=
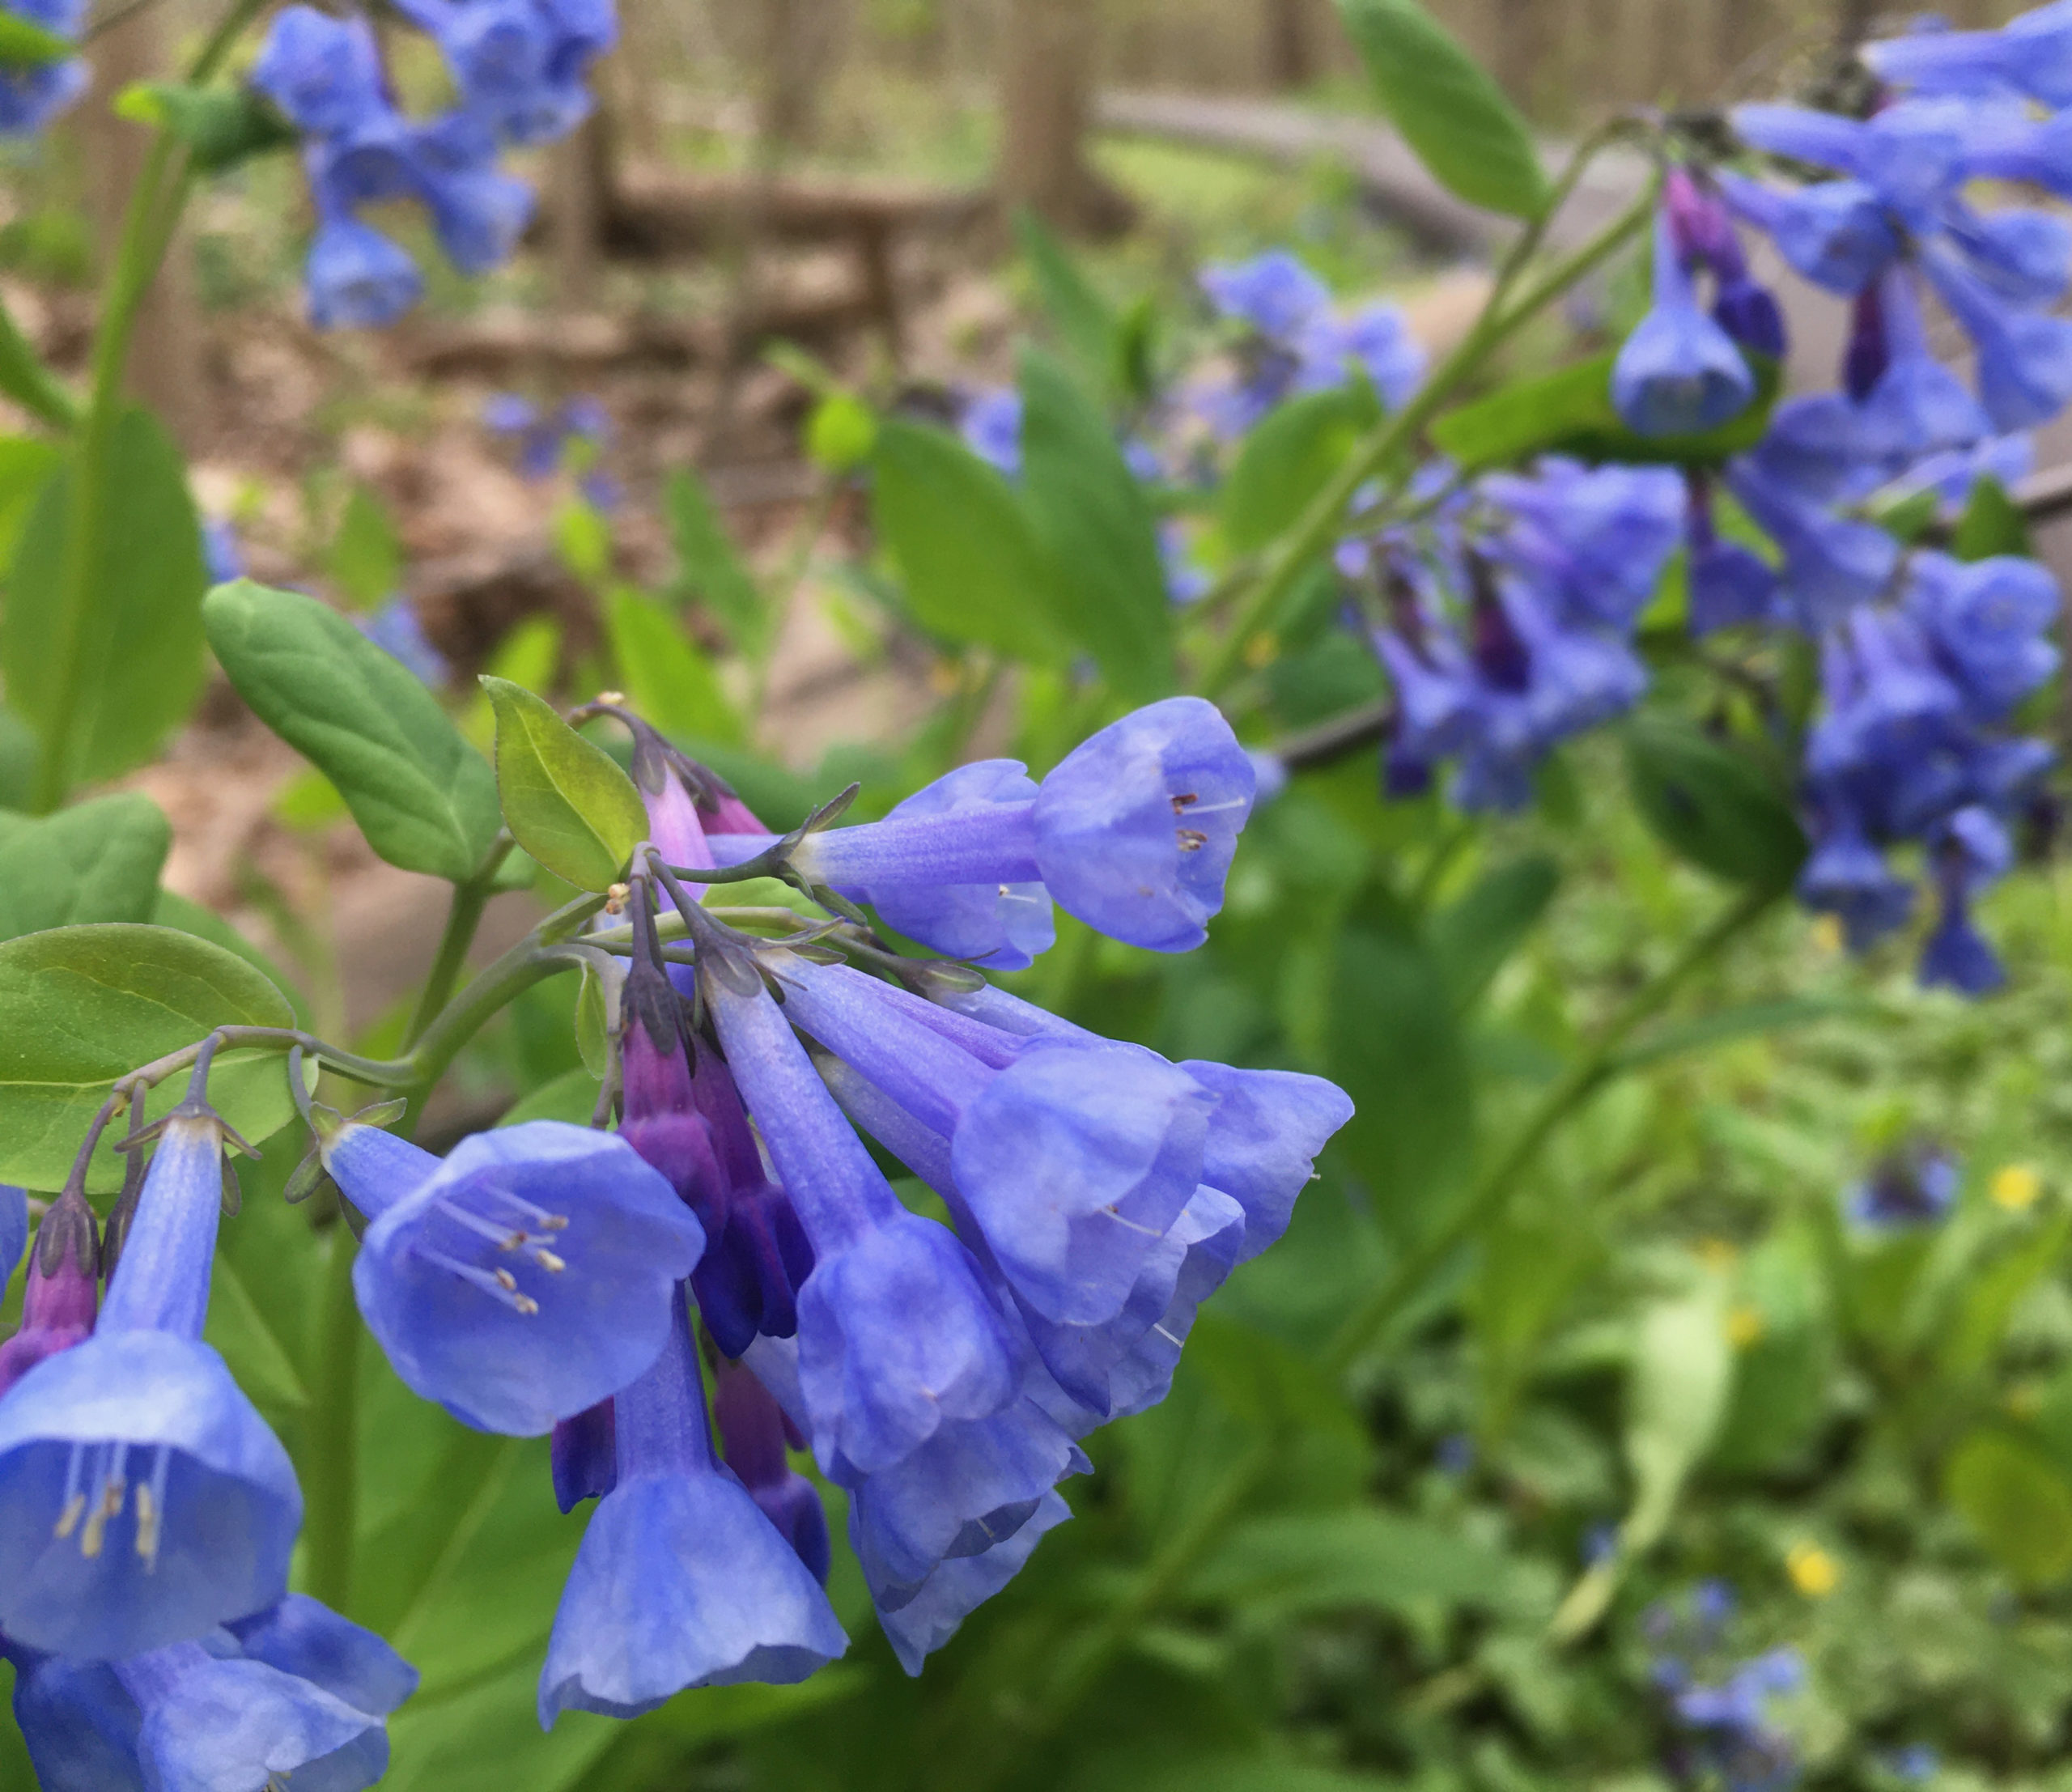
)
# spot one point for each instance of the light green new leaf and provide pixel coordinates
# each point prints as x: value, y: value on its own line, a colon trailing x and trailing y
x: 566, y: 802
x: 97, y: 862
x: 972, y: 567
x: 26, y: 45
x: 1086, y: 322
x: 2016, y: 1499
x: 1092, y: 516
x: 1447, y: 106
x: 366, y: 560
x: 220, y: 126
x: 423, y: 797
x: 81, y: 1006
x: 1676, y: 1397
x: 139, y: 664
x: 671, y: 682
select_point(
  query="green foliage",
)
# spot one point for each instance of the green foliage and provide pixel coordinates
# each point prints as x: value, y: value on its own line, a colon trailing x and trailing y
x: 366, y: 560
x: 1712, y: 804
x: 708, y: 570
x: 422, y: 795
x: 1992, y: 522
x: 1092, y: 517
x: 81, y: 1006
x: 219, y: 127
x: 669, y: 678
x: 1455, y: 116
x: 97, y: 862
x: 1088, y: 329
x: 2018, y: 1501
x: 1288, y: 459
x: 1570, y: 412
x: 566, y: 802
x: 26, y: 45
x: 136, y: 648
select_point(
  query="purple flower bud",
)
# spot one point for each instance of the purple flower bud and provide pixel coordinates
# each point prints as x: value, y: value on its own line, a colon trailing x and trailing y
x: 752, y: 1438
x: 62, y: 1290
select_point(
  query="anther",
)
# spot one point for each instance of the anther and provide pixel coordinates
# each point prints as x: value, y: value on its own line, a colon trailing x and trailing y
x: 68, y: 1520
x: 615, y: 898
x: 546, y: 1260
x: 1184, y: 801
x: 147, y: 1529
x: 526, y: 1305
x: 1192, y: 839
x: 506, y: 1281
x: 113, y: 1492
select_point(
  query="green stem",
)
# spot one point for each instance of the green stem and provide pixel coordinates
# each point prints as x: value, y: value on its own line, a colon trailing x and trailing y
x: 1319, y: 524
x: 1186, y: 1548
x: 330, y: 1482
x: 464, y: 915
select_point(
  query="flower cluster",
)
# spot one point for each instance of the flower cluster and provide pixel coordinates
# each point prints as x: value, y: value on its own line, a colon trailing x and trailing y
x: 517, y: 67
x: 1735, y: 1733
x: 572, y: 434
x: 1288, y: 340
x: 546, y: 1278
x: 1915, y: 1187
x: 1506, y: 623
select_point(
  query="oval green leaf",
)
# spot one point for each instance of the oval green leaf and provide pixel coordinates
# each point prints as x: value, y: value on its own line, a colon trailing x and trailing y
x: 423, y: 797
x: 97, y: 862
x: 566, y: 802
x: 1711, y: 805
x: 1448, y: 108
x: 81, y: 1006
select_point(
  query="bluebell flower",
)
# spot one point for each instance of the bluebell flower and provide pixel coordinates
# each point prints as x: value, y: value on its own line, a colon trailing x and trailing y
x: 1968, y: 850
x: 2024, y: 357
x: 396, y: 629
x: 877, y: 1385
x: 960, y: 1585
x: 2031, y: 55
x: 1736, y: 1734
x: 1273, y: 293
x: 14, y: 1229
x: 63, y: 1286
x: 324, y: 73
x: 357, y: 277
x: 1987, y: 623
x: 1593, y: 539
x: 1834, y: 232
x: 1916, y: 1186
x: 753, y: 1432
x: 519, y: 63
x: 583, y: 1456
x: 521, y: 1278
x: 1847, y: 876
x: 682, y: 1580
x: 1376, y: 340
x: 1728, y: 584
x: 1832, y: 564
x: 296, y: 1695
x: 1679, y: 372
x: 991, y: 428
x: 544, y: 438
x: 1916, y: 406
x: 1916, y: 1763
x: 221, y: 554
x: 1133, y: 833
x: 999, y: 926
x: 143, y: 1499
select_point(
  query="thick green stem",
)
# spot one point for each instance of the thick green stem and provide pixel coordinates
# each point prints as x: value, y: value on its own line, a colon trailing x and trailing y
x: 1320, y: 524
x: 331, y: 1457
x: 464, y: 915
x: 1186, y: 1548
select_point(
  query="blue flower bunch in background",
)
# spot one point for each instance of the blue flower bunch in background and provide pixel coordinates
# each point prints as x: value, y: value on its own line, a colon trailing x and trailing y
x: 517, y: 68
x: 1911, y: 1187
x: 572, y: 436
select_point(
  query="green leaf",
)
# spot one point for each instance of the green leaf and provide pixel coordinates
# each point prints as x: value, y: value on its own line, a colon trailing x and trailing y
x: 972, y: 567
x: 708, y: 569
x: 25, y: 44
x: 1744, y: 1021
x: 1968, y: 1338
x: 671, y: 682
x: 174, y: 910
x: 1092, y: 516
x: 366, y: 560
x: 566, y: 802
x: 1711, y: 805
x: 592, y: 1025
x: 2017, y: 1501
x: 1570, y: 412
x: 1301, y: 1562
x: 1288, y: 459
x: 1456, y: 118
x: 1992, y: 522
x: 1473, y: 937
x: 97, y: 862
x: 221, y: 126
x: 27, y: 466
x: 1396, y: 1048
x: 1086, y: 322
x: 140, y: 663
x: 572, y: 1097
x: 423, y: 797
x: 81, y: 1006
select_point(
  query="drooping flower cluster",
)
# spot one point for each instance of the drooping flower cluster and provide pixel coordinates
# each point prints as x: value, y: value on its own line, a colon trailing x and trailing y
x: 551, y: 1279
x: 1506, y: 626
x: 518, y: 69
x: 1287, y: 340
x: 1914, y: 1187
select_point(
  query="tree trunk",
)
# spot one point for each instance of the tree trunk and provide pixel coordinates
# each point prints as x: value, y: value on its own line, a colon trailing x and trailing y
x: 1046, y: 75
x: 1290, y: 53
x: 165, y: 347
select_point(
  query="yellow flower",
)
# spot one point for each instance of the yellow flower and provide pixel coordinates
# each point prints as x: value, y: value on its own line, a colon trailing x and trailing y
x: 1828, y: 932
x: 1744, y: 1326
x: 2016, y: 1187
x: 1813, y: 1571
